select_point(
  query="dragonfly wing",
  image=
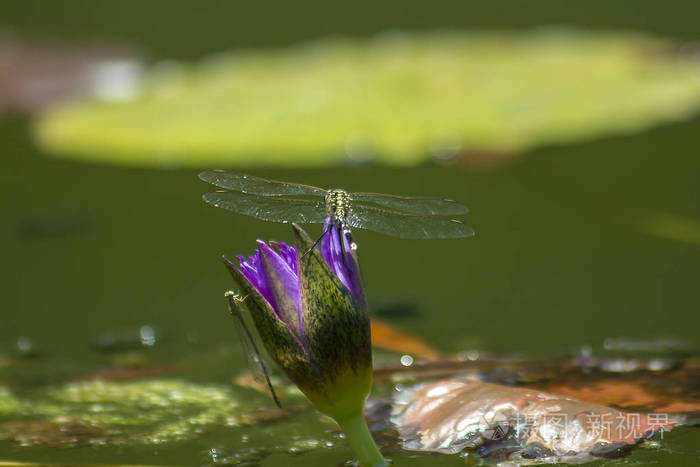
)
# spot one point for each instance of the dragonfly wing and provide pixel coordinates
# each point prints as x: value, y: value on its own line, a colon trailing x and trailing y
x: 256, y: 364
x: 301, y: 211
x: 407, y: 225
x: 256, y: 185
x: 254, y: 360
x: 425, y: 206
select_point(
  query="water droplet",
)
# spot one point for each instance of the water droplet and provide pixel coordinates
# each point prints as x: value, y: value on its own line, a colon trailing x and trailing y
x: 406, y: 360
x: 147, y: 335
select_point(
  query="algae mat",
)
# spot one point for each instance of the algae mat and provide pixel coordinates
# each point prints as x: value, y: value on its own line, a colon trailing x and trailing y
x: 97, y: 413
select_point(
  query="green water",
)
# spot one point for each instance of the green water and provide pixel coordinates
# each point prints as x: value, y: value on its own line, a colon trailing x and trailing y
x: 561, y: 258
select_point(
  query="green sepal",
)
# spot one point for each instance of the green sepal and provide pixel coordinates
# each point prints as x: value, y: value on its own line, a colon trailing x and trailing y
x: 336, y: 324
x: 281, y: 343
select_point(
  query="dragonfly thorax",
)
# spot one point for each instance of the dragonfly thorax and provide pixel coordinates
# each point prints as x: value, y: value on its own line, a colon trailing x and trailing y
x: 338, y: 206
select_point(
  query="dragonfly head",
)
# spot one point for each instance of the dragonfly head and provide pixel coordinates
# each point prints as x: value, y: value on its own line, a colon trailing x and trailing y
x: 338, y: 206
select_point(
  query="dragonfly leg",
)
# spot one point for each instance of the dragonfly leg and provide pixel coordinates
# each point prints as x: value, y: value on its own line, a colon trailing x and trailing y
x: 316, y: 242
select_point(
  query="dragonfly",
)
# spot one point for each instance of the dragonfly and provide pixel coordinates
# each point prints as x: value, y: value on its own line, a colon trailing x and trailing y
x: 255, y: 361
x: 276, y: 201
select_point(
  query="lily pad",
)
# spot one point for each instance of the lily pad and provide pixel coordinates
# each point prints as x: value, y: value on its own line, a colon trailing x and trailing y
x: 396, y: 99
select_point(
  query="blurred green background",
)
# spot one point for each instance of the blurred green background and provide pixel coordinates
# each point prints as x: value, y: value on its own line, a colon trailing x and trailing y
x: 575, y: 242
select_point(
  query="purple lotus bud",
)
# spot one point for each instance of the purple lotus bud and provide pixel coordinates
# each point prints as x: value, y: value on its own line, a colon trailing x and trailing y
x: 308, y: 306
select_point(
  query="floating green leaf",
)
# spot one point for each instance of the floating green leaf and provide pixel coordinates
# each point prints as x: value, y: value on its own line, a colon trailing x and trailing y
x: 395, y: 99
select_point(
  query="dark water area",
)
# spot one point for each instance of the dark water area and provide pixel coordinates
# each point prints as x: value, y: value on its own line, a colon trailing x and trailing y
x: 560, y: 249
x: 181, y: 30
x: 573, y: 243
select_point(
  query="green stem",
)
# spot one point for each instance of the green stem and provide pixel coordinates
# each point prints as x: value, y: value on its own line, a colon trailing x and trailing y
x: 360, y: 439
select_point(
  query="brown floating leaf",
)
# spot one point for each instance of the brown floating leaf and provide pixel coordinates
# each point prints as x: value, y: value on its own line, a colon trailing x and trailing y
x: 516, y: 424
x: 385, y: 336
x: 625, y: 394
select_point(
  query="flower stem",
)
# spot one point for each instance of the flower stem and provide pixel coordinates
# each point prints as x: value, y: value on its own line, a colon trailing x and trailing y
x: 360, y: 439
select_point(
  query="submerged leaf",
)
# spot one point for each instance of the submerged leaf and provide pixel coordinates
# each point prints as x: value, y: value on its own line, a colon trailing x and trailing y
x: 394, y: 99
x: 517, y: 424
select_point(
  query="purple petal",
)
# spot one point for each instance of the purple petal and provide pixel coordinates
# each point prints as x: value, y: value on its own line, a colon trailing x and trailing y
x: 325, y: 244
x: 290, y: 256
x: 337, y: 253
x: 281, y: 270
x: 252, y: 269
x: 353, y: 271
